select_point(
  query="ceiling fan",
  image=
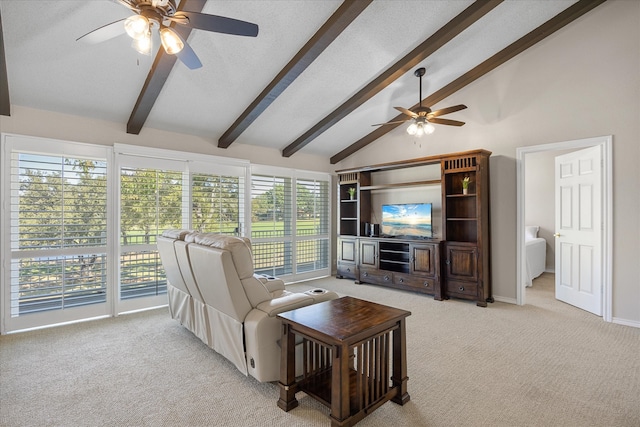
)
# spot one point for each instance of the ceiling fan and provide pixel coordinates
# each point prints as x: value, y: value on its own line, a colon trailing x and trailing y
x: 158, y: 14
x: 423, y: 116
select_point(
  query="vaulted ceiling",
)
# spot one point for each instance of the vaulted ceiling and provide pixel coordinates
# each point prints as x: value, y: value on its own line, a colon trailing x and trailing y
x: 316, y: 77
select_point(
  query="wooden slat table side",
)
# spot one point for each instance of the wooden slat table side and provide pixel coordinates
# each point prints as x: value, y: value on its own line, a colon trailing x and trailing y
x: 340, y: 325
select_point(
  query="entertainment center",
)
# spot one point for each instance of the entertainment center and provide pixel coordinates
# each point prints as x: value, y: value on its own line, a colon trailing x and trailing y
x: 406, y: 253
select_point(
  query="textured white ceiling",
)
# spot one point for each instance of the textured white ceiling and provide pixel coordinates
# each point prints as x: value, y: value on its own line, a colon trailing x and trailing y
x: 49, y: 70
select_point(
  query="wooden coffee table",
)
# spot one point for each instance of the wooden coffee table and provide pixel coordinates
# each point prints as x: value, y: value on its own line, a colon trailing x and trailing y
x: 348, y: 347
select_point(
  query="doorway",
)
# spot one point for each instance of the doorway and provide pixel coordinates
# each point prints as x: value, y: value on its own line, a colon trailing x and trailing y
x: 605, y: 143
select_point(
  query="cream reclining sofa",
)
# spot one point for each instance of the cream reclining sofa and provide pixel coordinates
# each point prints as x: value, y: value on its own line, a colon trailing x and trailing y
x: 214, y: 293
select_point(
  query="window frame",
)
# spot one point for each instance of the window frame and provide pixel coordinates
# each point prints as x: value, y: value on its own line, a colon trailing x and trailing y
x: 47, y: 146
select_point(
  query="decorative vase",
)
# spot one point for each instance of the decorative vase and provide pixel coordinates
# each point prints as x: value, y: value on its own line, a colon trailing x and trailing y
x: 465, y: 190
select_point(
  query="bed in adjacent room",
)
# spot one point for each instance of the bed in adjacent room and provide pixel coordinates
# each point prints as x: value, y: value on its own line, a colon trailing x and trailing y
x: 536, y: 253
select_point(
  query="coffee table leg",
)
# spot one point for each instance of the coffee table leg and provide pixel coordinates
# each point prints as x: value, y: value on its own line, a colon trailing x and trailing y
x: 399, y: 377
x: 287, y: 381
x: 340, y: 408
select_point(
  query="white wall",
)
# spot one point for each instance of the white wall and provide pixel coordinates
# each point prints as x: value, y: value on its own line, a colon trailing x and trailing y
x: 582, y: 81
x: 47, y: 124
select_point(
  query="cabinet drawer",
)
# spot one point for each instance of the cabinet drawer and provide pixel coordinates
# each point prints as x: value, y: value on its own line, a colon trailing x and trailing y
x: 347, y: 270
x: 462, y: 288
x: 380, y: 277
x: 422, y: 284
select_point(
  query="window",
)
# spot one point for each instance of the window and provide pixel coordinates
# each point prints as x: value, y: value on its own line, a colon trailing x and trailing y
x: 157, y: 194
x: 290, y: 223
x: 150, y: 202
x: 217, y: 203
x: 56, y: 234
x: 312, y: 225
x: 80, y: 223
x: 271, y: 224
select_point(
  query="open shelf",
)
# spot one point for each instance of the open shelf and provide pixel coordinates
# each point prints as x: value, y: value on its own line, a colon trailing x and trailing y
x: 402, y: 184
x: 394, y: 256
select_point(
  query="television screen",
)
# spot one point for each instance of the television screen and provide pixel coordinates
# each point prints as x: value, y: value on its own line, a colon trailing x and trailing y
x: 412, y: 219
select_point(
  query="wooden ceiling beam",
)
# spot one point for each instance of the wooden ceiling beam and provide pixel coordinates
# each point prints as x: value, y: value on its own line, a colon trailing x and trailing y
x: 330, y: 30
x: 157, y: 77
x: 5, y: 102
x: 454, y: 27
x: 551, y: 26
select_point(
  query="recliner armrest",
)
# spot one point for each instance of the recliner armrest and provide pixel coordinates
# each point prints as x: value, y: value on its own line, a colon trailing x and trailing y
x: 288, y: 301
x: 271, y: 283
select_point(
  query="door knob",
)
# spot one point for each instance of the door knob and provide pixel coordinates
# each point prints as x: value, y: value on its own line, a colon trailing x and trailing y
x: 556, y: 235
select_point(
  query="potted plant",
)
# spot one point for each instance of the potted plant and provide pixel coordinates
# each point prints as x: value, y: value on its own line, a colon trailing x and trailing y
x: 352, y: 193
x: 465, y: 185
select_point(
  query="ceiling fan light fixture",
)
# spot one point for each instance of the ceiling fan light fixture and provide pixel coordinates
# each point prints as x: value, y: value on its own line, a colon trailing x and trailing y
x: 419, y: 127
x: 170, y: 41
x: 143, y: 45
x: 137, y: 26
x: 428, y: 128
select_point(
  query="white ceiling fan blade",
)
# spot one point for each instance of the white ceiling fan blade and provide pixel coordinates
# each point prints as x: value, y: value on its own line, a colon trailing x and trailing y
x: 128, y: 5
x: 104, y: 33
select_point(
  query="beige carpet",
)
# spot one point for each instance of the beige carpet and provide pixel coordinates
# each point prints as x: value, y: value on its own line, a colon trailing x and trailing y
x: 544, y: 364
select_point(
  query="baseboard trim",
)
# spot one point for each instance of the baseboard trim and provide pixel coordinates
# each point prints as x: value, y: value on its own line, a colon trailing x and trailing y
x: 505, y: 299
x: 626, y: 322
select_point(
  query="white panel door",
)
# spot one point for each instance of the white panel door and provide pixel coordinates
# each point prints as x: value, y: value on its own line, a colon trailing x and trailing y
x: 578, y: 196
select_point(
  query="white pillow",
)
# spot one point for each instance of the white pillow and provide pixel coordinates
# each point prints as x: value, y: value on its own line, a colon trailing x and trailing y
x: 531, y: 232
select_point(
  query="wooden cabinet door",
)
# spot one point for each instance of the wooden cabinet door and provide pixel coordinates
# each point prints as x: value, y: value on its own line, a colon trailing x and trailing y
x: 347, y: 258
x: 461, y: 262
x: 347, y: 250
x: 369, y: 253
x: 423, y: 259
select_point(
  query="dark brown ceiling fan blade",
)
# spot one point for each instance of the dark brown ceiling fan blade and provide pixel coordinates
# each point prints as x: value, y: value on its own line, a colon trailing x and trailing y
x: 407, y: 112
x: 188, y: 56
x: 218, y: 24
x: 392, y: 123
x: 445, y: 122
x: 447, y: 110
x: 178, y: 18
x: 104, y: 33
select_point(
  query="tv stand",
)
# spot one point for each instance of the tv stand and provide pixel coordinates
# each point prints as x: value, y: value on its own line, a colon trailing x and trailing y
x: 462, y: 253
x: 401, y: 263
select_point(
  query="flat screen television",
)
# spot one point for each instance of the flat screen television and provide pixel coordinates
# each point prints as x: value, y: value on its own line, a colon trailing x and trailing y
x: 410, y: 220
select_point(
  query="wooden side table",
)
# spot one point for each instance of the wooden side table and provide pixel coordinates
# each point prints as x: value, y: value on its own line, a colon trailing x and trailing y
x: 348, y: 346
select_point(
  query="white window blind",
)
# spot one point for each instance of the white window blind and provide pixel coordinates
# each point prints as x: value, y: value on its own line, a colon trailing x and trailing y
x: 217, y: 203
x: 312, y: 225
x: 151, y: 200
x: 58, y: 232
x: 290, y: 224
x: 272, y: 224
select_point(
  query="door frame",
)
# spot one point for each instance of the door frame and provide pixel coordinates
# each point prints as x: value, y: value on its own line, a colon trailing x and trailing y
x: 606, y: 143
